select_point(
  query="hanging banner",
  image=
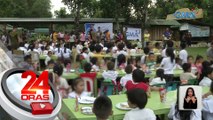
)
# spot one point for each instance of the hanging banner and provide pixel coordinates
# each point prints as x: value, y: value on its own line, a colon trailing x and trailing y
x: 133, y: 33
x: 103, y: 26
x: 196, y: 31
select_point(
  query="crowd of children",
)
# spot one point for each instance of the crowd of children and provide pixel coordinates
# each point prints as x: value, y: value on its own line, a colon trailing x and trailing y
x: 89, y: 55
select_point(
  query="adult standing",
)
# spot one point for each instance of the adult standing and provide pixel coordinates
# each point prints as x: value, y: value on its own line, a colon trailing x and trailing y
x: 14, y: 38
x: 124, y: 33
x: 189, y: 38
x: 99, y: 34
x: 146, y: 38
x: 210, y: 53
x: 166, y: 36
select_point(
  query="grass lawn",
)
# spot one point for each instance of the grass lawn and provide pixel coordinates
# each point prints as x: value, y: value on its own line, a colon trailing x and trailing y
x: 194, y: 51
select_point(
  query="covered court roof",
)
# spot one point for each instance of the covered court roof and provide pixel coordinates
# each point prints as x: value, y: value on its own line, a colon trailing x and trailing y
x: 56, y: 20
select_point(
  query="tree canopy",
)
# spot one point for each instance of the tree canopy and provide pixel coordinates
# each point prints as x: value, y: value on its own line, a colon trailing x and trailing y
x: 25, y: 8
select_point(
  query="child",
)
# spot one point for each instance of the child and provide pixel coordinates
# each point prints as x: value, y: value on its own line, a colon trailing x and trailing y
x: 85, y: 54
x: 137, y: 100
x: 144, y: 57
x: 151, y: 61
x: 59, y: 82
x: 178, y: 63
x: 48, y: 58
x: 128, y: 75
x: 110, y: 73
x: 138, y: 81
x: 50, y: 65
x: 78, y: 88
x: 207, y: 80
x: 159, y: 79
x: 95, y: 66
x: 88, y: 74
x: 208, y: 104
x: 198, y: 63
x: 187, y: 75
x: 168, y: 64
x: 66, y: 52
x: 121, y: 61
x: 183, y: 54
x: 102, y: 108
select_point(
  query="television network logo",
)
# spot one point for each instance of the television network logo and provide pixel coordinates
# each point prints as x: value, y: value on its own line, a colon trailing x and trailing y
x: 30, y: 92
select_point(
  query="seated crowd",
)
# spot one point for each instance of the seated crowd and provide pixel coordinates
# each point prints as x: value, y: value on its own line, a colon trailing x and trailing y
x: 90, y: 59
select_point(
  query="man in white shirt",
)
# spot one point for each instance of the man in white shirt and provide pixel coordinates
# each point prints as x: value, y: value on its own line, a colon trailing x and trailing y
x: 183, y: 53
x: 207, y: 80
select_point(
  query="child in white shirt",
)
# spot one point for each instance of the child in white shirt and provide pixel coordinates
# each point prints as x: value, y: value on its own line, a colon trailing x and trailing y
x: 66, y: 52
x: 78, y: 90
x: 85, y: 54
x: 187, y: 75
x: 95, y: 66
x: 159, y: 79
x: 127, y: 77
x: 208, y: 104
x: 110, y: 73
x: 137, y: 100
x: 183, y: 54
x: 207, y: 80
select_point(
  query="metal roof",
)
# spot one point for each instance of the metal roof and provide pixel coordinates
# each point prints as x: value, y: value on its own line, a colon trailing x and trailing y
x: 164, y: 22
x: 57, y: 20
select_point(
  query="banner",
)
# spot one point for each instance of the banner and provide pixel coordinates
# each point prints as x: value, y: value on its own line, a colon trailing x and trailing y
x: 186, y: 13
x: 103, y: 27
x: 196, y: 31
x: 133, y: 33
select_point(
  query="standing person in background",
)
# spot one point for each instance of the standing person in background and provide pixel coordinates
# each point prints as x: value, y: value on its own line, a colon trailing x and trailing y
x: 183, y: 55
x: 209, y: 53
x: 14, y: 38
x: 189, y: 38
x: 55, y: 36
x: 82, y: 37
x: 107, y: 34
x: 72, y: 39
x: 168, y: 64
x: 124, y: 34
x: 146, y: 37
x: 166, y: 36
x: 66, y: 37
x: 99, y: 34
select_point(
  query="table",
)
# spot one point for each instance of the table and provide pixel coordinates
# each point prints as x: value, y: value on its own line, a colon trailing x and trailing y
x: 121, y: 73
x: 43, y: 57
x: 153, y: 103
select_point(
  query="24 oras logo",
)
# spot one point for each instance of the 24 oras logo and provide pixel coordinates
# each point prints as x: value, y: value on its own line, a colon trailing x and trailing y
x: 31, y: 90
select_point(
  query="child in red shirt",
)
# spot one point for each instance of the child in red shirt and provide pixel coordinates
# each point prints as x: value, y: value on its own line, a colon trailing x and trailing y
x: 138, y: 81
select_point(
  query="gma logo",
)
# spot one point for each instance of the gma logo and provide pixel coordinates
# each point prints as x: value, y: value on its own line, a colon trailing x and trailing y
x: 185, y: 15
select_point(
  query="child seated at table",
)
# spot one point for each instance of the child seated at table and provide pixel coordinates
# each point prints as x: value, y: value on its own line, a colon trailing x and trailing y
x: 121, y: 61
x: 110, y: 73
x: 144, y: 57
x: 85, y: 54
x: 94, y: 62
x: 208, y: 104
x: 138, y: 81
x: 137, y: 100
x: 127, y: 77
x: 187, y: 75
x: 50, y: 65
x: 159, y: 79
x: 198, y: 63
x: 207, y: 80
x: 151, y: 61
x: 178, y: 63
x: 102, y: 108
x: 78, y: 88
x: 48, y: 58
x: 60, y: 83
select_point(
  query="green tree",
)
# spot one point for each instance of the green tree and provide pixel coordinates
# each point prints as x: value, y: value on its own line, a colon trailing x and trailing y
x: 62, y: 13
x: 25, y: 8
